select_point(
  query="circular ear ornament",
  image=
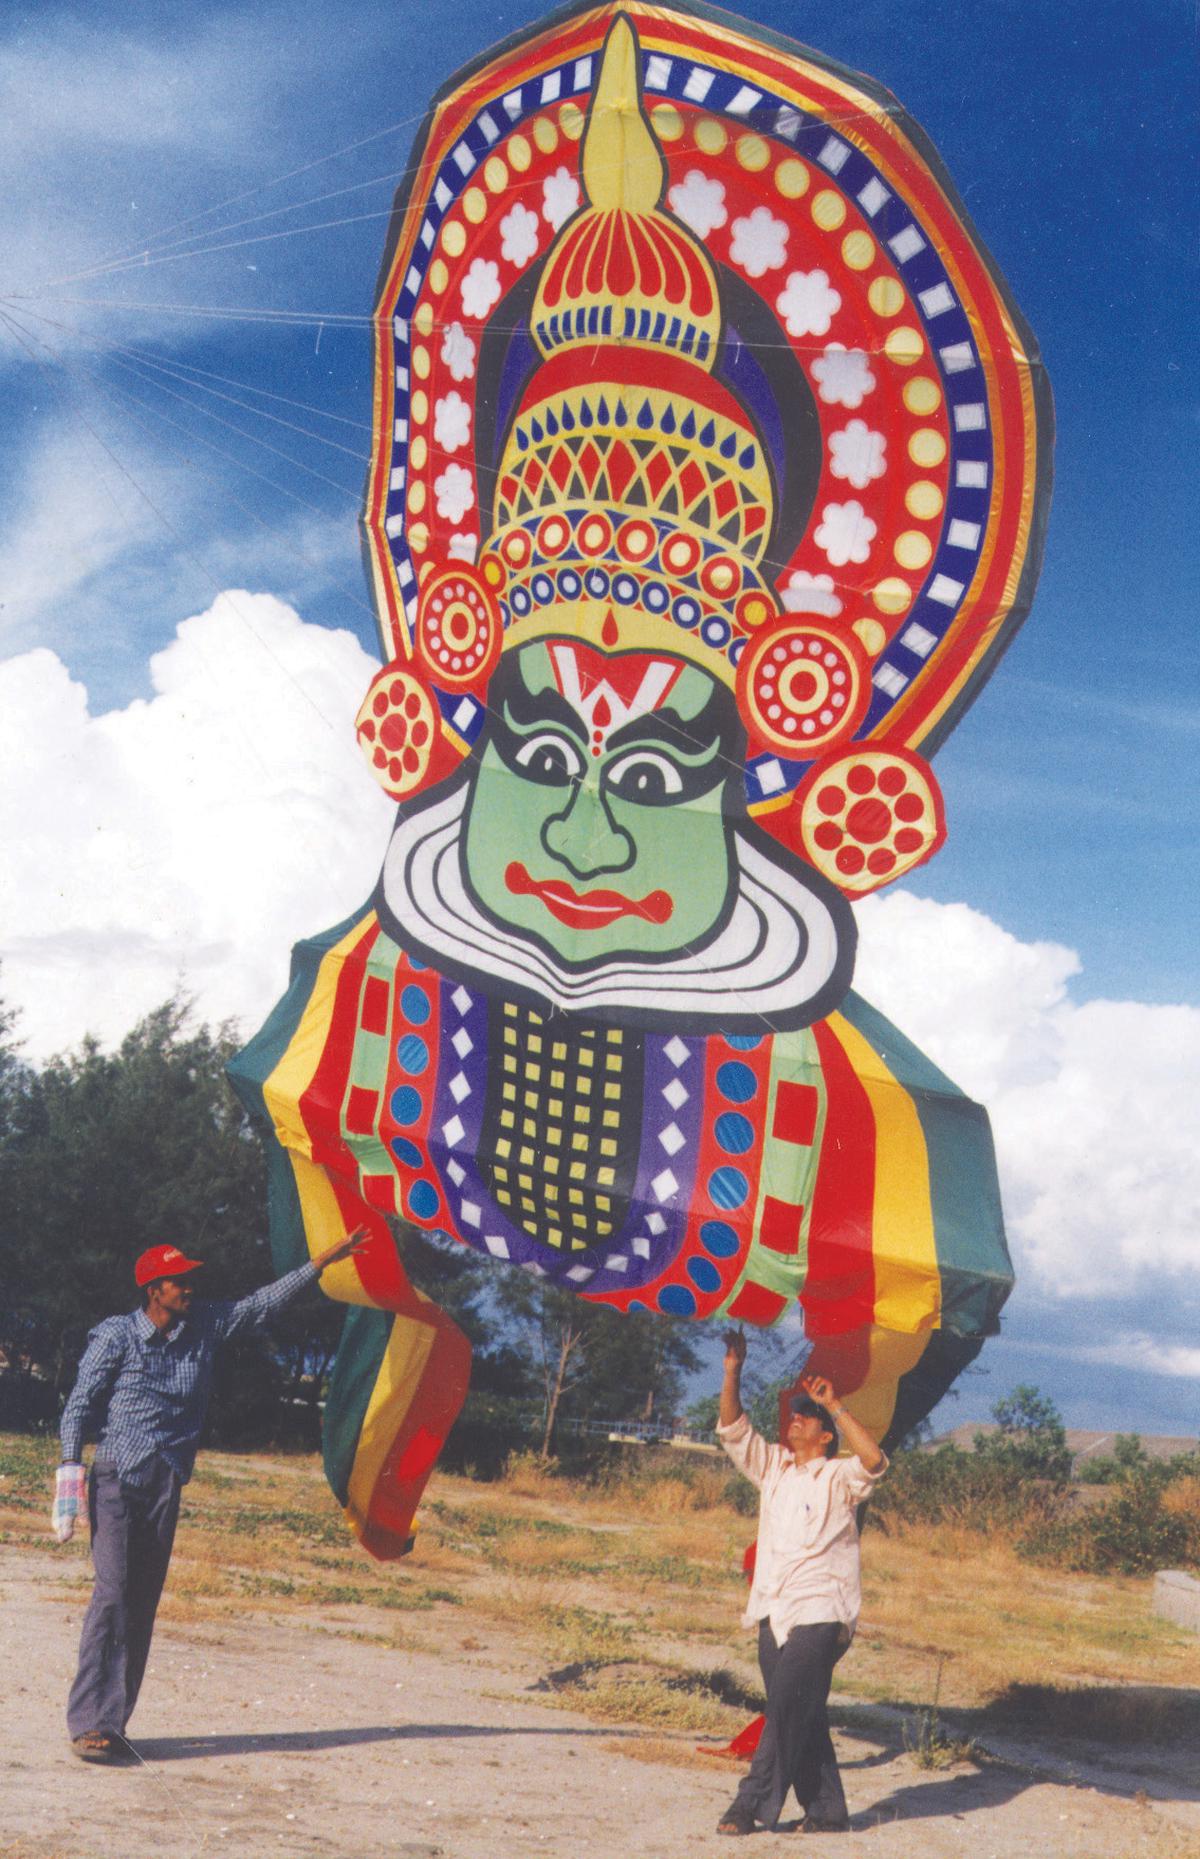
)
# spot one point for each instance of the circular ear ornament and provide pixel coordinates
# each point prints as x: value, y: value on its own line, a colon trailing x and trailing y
x: 868, y: 816
x: 397, y: 729
x: 459, y: 628
x: 802, y: 687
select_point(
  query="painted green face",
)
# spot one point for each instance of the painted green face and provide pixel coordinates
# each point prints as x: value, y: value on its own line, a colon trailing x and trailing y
x: 597, y: 816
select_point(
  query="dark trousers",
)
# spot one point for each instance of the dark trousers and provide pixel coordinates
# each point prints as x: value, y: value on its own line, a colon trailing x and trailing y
x: 133, y: 1528
x: 795, y: 1749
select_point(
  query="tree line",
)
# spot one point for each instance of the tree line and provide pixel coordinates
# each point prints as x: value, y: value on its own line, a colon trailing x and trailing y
x: 104, y: 1153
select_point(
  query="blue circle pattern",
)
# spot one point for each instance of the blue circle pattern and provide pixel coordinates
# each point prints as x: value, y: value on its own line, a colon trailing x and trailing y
x: 542, y: 588
x: 413, y: 1054
x: 704, y: 1274
x: 736, y: 1081
x: 734, y: 1132
x: 596, y: 582
x: 406, y: 1105
x: 719, y: 1239
x: 414, y: 1005
x: 625, y: 589
x: 407, y: 1152
x: 677, y: 1301
x: 727, y: 1188
x: 423, y: 1200
x: 569, y: 584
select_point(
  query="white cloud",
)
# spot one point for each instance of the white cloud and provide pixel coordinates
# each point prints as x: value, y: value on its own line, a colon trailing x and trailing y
x: 1100, y: 1169
x: 189, y: 838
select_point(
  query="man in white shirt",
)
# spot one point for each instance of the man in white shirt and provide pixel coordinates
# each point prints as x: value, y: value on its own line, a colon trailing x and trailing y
x: 805, y: 1595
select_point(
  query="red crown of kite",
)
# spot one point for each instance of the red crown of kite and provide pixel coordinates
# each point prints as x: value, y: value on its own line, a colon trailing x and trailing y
x: 688, y: 332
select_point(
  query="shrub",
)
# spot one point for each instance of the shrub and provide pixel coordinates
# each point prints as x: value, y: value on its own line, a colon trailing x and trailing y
x: 1137, y: 1531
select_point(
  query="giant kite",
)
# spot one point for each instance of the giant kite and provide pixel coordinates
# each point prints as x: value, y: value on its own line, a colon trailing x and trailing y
x: 709, y: 480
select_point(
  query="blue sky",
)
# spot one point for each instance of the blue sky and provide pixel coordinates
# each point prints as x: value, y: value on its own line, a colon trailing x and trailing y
x: 131, y: 503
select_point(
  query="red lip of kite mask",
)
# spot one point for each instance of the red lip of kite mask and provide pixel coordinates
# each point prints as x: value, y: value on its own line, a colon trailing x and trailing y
x: 709, y: 479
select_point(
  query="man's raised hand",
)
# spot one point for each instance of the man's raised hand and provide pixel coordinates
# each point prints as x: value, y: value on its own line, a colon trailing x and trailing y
x: 341, y: 1248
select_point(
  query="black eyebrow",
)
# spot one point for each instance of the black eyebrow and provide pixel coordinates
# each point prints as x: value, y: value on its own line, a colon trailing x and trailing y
x: 711, y: 728
x: 546, y: 705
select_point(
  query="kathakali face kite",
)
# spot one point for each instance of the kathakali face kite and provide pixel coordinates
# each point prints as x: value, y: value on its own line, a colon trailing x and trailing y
x: 709, y: 479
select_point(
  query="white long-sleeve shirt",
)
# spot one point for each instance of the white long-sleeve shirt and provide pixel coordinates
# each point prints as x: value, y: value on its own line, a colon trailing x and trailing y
x: 806, y: 1565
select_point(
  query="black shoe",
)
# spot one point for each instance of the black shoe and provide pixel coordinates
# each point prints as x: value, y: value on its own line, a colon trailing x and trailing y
x: 814, y: 1823
x: 736, y: 1820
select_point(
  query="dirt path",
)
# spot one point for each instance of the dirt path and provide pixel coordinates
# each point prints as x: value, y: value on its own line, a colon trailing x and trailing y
x: 293, y: 1738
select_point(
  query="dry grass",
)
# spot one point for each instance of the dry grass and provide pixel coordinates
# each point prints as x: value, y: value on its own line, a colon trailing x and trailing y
x: 637, y: 1582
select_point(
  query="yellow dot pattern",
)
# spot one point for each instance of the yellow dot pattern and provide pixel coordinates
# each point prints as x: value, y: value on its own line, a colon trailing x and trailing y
x: 570, y: 121
x: 791, y: 178
x: 923, y: 499
x: 892, y: 595
x: 495, y: 174
x: 556, y: 1140
x: 668, y: 123
x: 858, y: 250
x: 545, y: 135
x: 519, y: 153
x: 710, y: 135
x: 828, y: 210
x: 454, y: 238
x: 752, y: 153
x: 912, y: 549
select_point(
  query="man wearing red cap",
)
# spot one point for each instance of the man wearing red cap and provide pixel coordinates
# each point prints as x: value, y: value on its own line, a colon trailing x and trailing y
x: 143, y: 1388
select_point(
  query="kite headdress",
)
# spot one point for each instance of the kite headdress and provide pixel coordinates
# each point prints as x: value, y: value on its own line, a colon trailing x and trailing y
x: 684, y: 345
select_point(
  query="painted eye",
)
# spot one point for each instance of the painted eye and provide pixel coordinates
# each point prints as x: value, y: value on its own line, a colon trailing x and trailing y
x: 649, y: 779
x: 550, y: 760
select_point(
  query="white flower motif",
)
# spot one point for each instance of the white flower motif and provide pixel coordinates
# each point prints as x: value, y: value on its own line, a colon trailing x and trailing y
x: 455, y: 493
x: 519, y: 235
x: 856, y: 454
x: 811, y: 593
x: 463, y: 546
x: 844, y: 377
x: 699, y: 201
x: 480, y: 288
x: 458, y: 352
x: 845, y: 532
x: 808, y: 303
x: 560, y: 197
x: 452, y: 422
x: 759, y: 244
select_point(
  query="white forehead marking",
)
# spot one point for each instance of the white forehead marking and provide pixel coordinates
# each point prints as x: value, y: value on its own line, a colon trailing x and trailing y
x: 601, y: 705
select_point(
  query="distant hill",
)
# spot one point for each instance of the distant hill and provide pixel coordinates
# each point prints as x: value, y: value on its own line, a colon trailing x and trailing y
x: 1083, y: 1445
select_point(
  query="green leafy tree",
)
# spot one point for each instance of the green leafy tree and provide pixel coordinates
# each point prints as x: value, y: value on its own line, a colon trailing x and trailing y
x: 1030, y: 1438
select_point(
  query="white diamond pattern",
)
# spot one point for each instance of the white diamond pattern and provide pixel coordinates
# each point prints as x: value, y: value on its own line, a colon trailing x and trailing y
x: 672, y: 1138
x: 459, y: 1088
x: 664, y: 1185
x: 676, y: 1051
x: 454, y: 1131
x: 462, y: 1042
x: 676, y: 1093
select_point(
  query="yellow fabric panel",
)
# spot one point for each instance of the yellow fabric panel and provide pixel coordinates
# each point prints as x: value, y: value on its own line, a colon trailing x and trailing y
x: 294, y: 1073
x: 907, y: 1280
x: 323, y: 1224
x: 393, y: 1394
x: 891, y: 1356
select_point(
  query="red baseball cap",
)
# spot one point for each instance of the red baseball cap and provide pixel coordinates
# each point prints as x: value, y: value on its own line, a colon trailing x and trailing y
x: 163, y: 1262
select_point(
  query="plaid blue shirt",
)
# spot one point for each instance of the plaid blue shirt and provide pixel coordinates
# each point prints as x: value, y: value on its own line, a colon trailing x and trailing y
x: 147, y: 1389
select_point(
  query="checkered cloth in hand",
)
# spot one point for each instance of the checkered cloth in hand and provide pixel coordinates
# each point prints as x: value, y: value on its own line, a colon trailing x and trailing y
x: 70, y: 1497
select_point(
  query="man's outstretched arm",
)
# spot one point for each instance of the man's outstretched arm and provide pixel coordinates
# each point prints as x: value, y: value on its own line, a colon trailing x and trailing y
x: 862, y: 1444
x: 254, y: 1312
x: 731, y: 1386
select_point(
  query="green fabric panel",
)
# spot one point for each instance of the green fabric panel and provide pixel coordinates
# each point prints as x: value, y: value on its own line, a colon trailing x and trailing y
x: 918, y: 1393
x: 968, y: 1221
x: 360, y: 1353
x: 249, y: 1071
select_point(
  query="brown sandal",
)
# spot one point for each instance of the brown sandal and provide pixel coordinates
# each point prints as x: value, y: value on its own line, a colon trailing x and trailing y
x: 97, y: 1746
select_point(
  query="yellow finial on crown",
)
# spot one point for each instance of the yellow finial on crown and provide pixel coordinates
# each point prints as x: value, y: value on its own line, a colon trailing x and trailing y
x: 622, y: 164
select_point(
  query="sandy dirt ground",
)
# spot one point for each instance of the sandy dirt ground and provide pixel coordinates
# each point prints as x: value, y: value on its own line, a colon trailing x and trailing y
x: 292, y: 1737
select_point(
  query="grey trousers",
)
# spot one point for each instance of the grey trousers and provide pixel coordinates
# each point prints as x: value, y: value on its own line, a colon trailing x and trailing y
x: 795, y: 1749
x: 133, y: 1528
